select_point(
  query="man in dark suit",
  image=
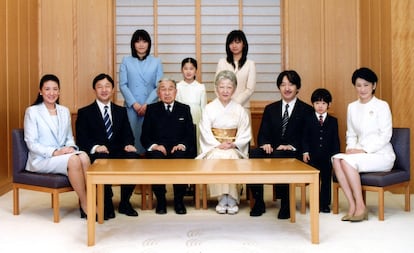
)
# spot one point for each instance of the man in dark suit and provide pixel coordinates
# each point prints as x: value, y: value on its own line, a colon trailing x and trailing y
x: 168, y: 133
x: 280, y: 136
x: 103, y: 131
x: 320, y: 143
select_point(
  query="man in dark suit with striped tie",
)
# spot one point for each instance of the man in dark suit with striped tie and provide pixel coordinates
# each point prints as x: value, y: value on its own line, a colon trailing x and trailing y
x: 103, y: 131
x: 280, y: 136
x: 168, y: 133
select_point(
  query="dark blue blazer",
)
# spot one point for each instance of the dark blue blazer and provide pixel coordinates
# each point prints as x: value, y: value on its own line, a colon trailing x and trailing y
x: 321, y: 142
x: 270, y: 131
x: 169, y: 130
x: 90, y: 129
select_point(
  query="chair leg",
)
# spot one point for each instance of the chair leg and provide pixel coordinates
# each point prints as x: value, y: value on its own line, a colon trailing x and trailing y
x: 55, y: 205
x: 146, y: 192
x: 381, y: 204
x: 197, y: 196
x: 250, y: 196
x: 204, y: 196
x: 407, y: 198
x: 16, y: 210
x: 335, y: 189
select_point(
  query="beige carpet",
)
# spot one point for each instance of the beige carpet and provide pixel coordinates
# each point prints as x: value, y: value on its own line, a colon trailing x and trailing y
x: 200, y: 230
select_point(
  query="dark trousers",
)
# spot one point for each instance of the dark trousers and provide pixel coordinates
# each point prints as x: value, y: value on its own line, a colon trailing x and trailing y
x: 282, y: 190
x: 126, y: 190
x: 325, y: 178
x: 160, y: 190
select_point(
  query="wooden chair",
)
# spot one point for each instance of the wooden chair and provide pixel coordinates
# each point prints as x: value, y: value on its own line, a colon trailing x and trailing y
x: 398, y: 177
x: 23, y: 179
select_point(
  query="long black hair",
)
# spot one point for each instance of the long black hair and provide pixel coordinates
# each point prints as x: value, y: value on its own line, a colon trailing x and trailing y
x: 45, y: 78
x: 240, y: 36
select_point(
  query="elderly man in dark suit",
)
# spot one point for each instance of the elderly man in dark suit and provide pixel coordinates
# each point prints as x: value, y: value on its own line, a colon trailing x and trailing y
x: 103, y: 131
x: 168, y: 133
x: 280, y: 136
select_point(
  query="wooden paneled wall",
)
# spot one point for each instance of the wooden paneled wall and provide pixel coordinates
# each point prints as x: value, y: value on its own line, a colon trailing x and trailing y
x: 324, y: 40
x: 18, y: 73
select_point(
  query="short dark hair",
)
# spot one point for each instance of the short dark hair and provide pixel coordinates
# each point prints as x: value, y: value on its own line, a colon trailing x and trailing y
x: 140, y: 35
x: 101, y: 77
x: 321, y: 94
x: 291, y: 75
x: 366, y: 74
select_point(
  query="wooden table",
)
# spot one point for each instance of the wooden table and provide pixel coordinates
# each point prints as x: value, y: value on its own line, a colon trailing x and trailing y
x: 185, y: 171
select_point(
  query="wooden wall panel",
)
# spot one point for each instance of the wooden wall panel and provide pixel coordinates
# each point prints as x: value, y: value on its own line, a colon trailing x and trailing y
x: 321, y: 44
x: 94, y: 28
x: 303, y: 43
x: 340, y: 57
x: 19, y: 73
x: 57, y: 45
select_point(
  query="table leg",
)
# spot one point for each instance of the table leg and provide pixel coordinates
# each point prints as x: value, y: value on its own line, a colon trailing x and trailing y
x: 91, y: 199
x: 314, y: 209
x: 292, y: 202
x: 100, y: 203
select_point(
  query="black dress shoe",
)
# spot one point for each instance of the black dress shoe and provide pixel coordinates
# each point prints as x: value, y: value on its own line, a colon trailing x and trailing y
x: 258, y: 209
x: 325, y: 209
x: 180, y: 208
x: 284, y: 212
x: 109, y: 213
x: 82, y: 213
x: 126, y: 208
x: 161, y: 209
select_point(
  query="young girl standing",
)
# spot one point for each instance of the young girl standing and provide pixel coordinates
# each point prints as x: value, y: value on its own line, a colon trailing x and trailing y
x: 192, y: 93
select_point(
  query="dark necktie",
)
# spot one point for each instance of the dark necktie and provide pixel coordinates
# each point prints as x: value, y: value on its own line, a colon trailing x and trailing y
x: 168, y: 109
x: 321, y: 120
x: 108, y: 123
x: 285, y: 119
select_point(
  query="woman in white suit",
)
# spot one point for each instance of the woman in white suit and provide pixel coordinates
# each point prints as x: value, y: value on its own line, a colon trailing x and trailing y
x: 368, y: 147
x: 48, y: 135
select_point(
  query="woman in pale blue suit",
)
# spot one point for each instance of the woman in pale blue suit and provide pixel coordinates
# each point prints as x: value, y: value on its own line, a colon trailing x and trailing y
x: 138, y: 79
x: 48, y: 135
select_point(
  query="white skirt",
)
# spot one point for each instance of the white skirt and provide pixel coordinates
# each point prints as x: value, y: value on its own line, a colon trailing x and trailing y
x: 368, y: 162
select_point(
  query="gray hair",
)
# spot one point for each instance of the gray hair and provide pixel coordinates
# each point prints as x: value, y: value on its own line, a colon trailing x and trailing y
x: 226, y: 74
x: 167, y: 79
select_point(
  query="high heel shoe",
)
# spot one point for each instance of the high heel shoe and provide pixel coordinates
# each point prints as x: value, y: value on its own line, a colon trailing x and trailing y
x: 361, y: 217
x: 346, y: 217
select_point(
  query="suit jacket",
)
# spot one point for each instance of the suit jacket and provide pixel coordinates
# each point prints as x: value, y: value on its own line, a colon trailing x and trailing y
x: 90, y: 129
x: 270, y: 131
x: 321, y: 142
x: 168, y: 130
x: 41, y: 137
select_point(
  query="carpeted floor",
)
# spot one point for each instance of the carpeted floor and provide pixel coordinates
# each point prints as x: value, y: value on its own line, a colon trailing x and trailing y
x: 200, y: 230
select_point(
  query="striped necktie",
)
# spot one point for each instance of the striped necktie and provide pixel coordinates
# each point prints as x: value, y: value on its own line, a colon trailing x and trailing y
x: 321, y: 120
x: 285, y: 119
x: 108, y: 123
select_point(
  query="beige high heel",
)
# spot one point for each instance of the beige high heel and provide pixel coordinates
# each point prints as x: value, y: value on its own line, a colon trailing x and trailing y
x: 346, y: 217
x: 361, y: 217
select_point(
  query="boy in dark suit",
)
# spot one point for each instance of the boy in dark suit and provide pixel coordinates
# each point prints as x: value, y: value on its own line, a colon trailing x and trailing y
x: 103, y: 131
x: 168, y: 133
x: 280, y: 136
x: 320, y: 143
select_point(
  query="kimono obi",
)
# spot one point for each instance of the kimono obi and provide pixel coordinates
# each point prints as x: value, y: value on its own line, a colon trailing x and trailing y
x: 223, y: 134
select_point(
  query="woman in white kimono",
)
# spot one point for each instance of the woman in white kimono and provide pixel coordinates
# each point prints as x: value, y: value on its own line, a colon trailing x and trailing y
x: 48, y: 135
x: 368, y: 147
x: 225, y: 133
